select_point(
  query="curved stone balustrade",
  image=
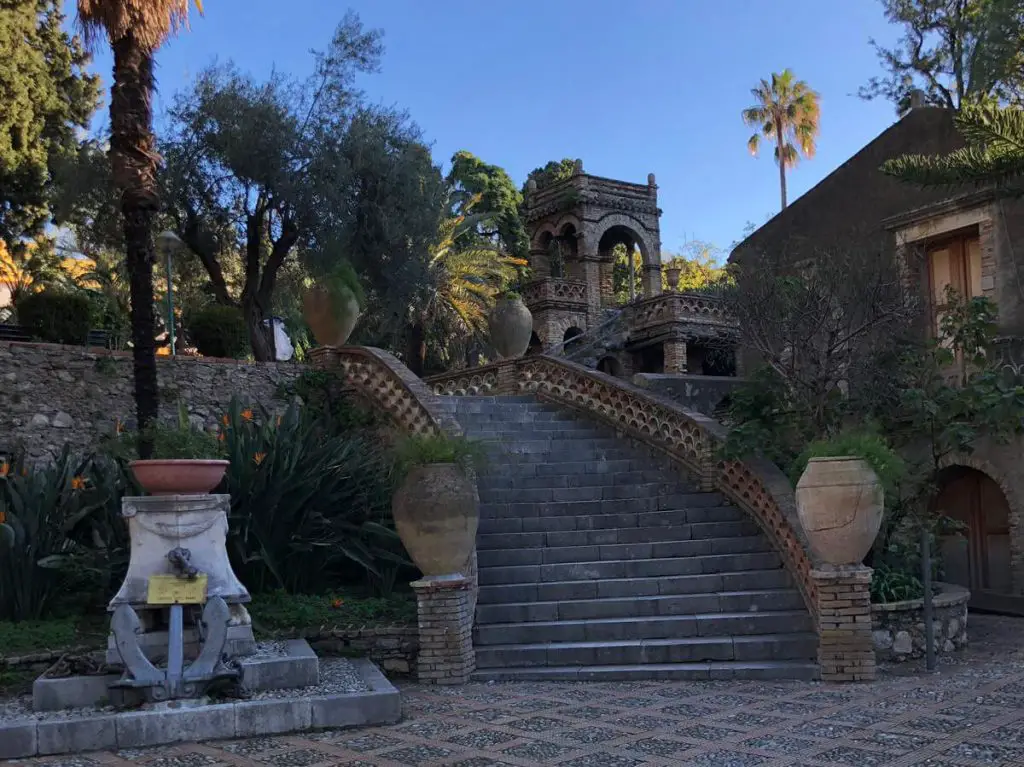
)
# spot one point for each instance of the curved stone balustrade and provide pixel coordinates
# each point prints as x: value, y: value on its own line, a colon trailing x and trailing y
x: 389, y: 385
x: 689, y: 438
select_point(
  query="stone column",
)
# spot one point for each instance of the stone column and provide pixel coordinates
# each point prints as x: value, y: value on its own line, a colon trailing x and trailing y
x: 845, y: 649
x: 675, y: 356
x: 652, y: 280
x: 446, y: 630
x: 592, y: 276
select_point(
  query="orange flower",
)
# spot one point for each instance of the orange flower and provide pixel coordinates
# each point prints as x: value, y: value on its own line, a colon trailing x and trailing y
x: 225, y: 420
x: 279, y: 420
x: 5, y: 469
x: 247, y: 415
x: 220, y: 437
x: 78, y: 483
x: 258, y: 458
x: 337, y: 603
x: 3, y: 517
x: 118, y: 426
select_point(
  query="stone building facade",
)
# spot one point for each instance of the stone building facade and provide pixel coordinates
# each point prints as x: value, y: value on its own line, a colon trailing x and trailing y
x: 574, y: 226
x: 967, y: 239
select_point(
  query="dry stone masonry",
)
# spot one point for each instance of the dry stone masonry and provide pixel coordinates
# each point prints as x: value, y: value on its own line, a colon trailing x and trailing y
x: 51, y: 395
x: 898, y: 629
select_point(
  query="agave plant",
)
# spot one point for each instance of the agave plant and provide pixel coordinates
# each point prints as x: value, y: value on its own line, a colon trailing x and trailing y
x: 307, y: 502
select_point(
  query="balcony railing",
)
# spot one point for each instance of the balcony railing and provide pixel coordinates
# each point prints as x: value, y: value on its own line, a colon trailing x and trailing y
x: 690, y: 308
x: 555, y: 290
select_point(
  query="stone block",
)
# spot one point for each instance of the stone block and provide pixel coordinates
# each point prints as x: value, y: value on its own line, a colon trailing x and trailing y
x: 73, y: 736
x: 18, y: 739
x: 356, y: 710
x: 268, y: 717
x: 175, y: 725
x: 71, y: 692
x: 299, y: 667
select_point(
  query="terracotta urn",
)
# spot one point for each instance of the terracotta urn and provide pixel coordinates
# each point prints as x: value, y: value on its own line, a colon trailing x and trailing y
x: 511, y: 325
x: 179, y: 476
x: 436, y: 512
x: 331, y: 318
x: 672, y: 277
x: 840, y: 503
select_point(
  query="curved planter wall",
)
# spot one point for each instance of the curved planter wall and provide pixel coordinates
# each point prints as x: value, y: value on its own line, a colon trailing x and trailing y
x: 898, y: 627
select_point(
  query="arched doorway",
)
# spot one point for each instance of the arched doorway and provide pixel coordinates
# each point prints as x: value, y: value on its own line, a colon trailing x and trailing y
x: 570, y: 335
x: 535, y: 347
x: 977, y: 557
x: 611, y: 366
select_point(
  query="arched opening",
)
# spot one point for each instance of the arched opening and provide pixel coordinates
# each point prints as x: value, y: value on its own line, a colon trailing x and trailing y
x: 543, y: 255
x: 710, y: 359
x: 569, y: 335
x: 978, y: 556
x: 623, y: 249
x: 611, y: 366
x: 535, y: 347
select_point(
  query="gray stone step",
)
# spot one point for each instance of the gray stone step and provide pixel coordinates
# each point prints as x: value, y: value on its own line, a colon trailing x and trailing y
x: 761, y: 670
x: 628, y: 568
x: 549, y: 555
x: 626, y: 588
x: 491, y: 542
x: 559, y: 523
x: 490, y: 482
x: 755, y: 600
x: 596, y: 492
x: 757, y: 647
x: 565, y: 506
x: 634, y: 628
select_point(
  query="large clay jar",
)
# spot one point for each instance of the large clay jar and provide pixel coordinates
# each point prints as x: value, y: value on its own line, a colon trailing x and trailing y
x: 436, y: 512
x: 840, y: 503
x: 511, y: 326
x: 332, y: 319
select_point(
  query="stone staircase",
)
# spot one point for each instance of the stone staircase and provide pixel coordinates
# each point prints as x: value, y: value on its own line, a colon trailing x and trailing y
x: 599, y: 560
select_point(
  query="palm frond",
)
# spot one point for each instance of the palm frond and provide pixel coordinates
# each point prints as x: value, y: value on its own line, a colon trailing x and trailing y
x: 150, y: 22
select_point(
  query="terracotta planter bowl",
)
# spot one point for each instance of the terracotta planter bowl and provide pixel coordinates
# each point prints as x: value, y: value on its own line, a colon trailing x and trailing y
x: 436, y: 512
x: 179, y: 477
x: 840, y: 503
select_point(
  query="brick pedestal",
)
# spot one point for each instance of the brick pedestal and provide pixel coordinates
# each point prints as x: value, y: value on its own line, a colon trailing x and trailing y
x: 845, y: 649
x: 446, y: 630
x: 675, y: 356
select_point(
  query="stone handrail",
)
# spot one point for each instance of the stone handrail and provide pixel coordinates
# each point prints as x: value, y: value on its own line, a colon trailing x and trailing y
x: 680, y: 307
x: 689, y: 438
x: 389, y: 385
x: 555, y: 289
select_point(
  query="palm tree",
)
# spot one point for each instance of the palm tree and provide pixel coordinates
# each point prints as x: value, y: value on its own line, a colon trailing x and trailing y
x: 787, y: 113
x: 465, y: 273
x: 135, y: 30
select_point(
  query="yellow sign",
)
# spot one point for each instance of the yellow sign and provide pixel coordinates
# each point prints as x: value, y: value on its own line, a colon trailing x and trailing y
x: 172, y: 590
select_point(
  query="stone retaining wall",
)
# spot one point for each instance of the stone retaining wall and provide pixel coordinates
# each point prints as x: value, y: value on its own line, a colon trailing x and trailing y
x: 898, y: 627
x: 51, y: 395
x: 393, y: 648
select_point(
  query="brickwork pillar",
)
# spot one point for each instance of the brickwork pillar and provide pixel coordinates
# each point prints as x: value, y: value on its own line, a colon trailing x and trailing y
x: 592, y: 276
x: 845, y: 650
x: 652, y: 280
x: 446, y: 630
x: 675, y: 356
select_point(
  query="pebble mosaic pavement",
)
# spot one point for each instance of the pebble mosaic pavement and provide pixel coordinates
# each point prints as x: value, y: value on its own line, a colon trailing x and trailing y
x: 969, y: 713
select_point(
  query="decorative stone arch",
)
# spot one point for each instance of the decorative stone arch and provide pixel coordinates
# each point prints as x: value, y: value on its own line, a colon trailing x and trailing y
x: 569, y: 218
x: 649, y: 246
x: 554, y: 333
x: 549, y: 229
x: 1014, y: 505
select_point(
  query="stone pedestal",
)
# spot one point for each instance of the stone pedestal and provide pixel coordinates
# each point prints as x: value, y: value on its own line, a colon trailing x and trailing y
x: 652, y: 280
x: 675, y: 356
x: 199, y: 523
x: 446, y: 630
x: 845, y: 649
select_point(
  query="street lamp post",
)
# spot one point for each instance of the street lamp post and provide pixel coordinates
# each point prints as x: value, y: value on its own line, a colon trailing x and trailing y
x: 169, y: 242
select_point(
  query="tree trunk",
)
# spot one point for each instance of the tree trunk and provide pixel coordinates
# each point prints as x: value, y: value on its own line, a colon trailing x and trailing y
x: 416, y: 356
x: 261, y: 338
x: 133, y: 162
x: 782, y: 162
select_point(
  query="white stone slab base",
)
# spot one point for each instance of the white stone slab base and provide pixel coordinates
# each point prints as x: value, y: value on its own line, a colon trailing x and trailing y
x: 178, y: 721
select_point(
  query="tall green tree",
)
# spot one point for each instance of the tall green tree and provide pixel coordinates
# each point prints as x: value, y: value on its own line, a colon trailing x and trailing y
x: 135, y: 30
x: 994, y: 155
x: 264, y: 173
x: 552, y: 172
x: 955, y: 51
x: 494, y: 198
x: 47, y: 96
x: 787, y: 112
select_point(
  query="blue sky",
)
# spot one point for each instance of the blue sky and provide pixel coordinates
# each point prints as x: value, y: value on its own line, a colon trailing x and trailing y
x: 631, y: 88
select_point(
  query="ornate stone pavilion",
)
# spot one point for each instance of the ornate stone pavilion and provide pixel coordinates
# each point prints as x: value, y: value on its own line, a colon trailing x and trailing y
x: 574, y: 227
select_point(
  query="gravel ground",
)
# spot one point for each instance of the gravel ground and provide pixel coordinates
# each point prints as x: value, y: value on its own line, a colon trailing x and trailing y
x: 338, y: 676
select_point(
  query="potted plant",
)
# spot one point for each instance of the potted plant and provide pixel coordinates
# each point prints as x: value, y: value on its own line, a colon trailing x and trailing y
x: 186, y: 460
x: 331, y: 305
x: 511, y: 325
x: 840, y: 497
x: 437, y: 508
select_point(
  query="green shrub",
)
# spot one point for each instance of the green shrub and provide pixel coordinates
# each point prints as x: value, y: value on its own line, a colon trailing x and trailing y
x: 421, y: 449
x: 219, y: 331
x: 180, y: 440
x: 279, y: 612
x: 308, y: 504
x: 885, y: 461
x: 55, y: 316
x: 889, y: 584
